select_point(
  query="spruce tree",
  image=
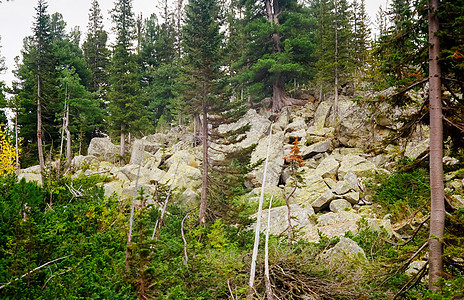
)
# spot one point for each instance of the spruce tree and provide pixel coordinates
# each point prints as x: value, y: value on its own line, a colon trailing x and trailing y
x: 95, y: 50
x: 3, y: 104
x: 201, y: 43
x: 125, y: 109
x: 361, y: 36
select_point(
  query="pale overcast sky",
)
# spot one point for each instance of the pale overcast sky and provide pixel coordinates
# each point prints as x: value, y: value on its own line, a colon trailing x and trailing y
x: 17, y: 16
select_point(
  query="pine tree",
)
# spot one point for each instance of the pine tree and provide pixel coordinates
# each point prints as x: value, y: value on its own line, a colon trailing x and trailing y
x: 361, y: 36
x: 124, y: 108
x: 201, y: 43
x: 95, y: 50
x: 279, y: 47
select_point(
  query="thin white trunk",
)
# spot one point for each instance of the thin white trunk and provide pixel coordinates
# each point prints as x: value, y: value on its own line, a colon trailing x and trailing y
x: 16, y: 140
x: 68, y: 138
x: 336, y: 61
x: 267, y: 280
x: 258, y: 222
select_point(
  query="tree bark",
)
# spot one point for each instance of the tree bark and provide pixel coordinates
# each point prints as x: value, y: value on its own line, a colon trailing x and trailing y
x: 204, y: 185
x: 68, y: 138
x: 39, y: 128
x: 437, y: 217
x: 123, y: 140
x: 336, y: 61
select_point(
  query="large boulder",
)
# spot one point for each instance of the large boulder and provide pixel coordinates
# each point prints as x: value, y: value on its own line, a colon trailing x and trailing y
x: 259, y: 127
x: 184, y: 176
x: 328, y: 167
x: 315, y: 191
x: 103, y: 149
x: 31, y: 174
x: 142, y: 150
x: 276, y: 160
x: 81, y: 161
x: 300, y: 218
x: 322, y: 113
x: 181, y: 158
x: 360, y: 166
x: 345, y: 250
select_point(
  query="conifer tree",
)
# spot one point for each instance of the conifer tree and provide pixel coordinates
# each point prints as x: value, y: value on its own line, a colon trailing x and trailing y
x: 201, y: 43
x: 124, y: 108
x: 361, y: 36
x: 95, y: 49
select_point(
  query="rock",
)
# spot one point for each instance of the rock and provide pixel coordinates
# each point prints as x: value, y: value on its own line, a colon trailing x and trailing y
x: 357, y: 164
x: 300, y: 216
x: 148, y: 190
x: 155, y: 161
x: 292, y: 135
x: 322, y: 201
x: 352, y: 197
x: 416, y: 150
x: 259, y: 126
x: 131, y: 171
x: 319, y: 147
x: 156, y: 175
x: 183, y: 177
x: 351, y: 179
x: 339, y: 205
x: 314, y: 187
x: 81, y: 161
x: 330, y: 182
x: 275, y: 191
x: 341, y: 187
x: 30, y: 177
x: 276, y: 160
x: 322, y: 112
x: 415, y: 267
x: 296, y: 125
x: 450, y: 161
x: 181, y: 158
x: 315, y: 131
x: 143, y: 149
x: 345, y: 249
x: 113, y: 187
x: 456, y: 201
x: 103, y: 149
x: 283, y: 119
x: 189, y: 198
x: 328, y: 167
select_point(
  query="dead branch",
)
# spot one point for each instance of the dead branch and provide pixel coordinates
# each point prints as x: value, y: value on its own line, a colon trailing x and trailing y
x: 183, y: 238
x: 33, y: 270
x: 412, y: 237
x: 414, y: 279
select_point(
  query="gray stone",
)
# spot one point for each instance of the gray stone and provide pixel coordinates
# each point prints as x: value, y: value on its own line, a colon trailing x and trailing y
x: 80, y: 161
x: 339, y: 205
x: 330, y: 182
x: 322, y: 201
x: 357, y: 164
x: 415, y: 150
x: 313, y: 189
x: 142, y: 150
x: 345, y: 249
x: 322, y: 112
x: 341, y: 187
x: 156, y: 175
x: 296, y: 125
x: 30, y: 177
x: 132, y: 171
x: 180, y: 158
x: 189, y: 198
x: 113, y: 187
x: 183, y: 176
x: 456, y: 201
x: 276, y: 161
x: 415, y: 267
x: 319, y: 147
x: 352, y: 197
x: 315, y: 131
x: 328, y: 167
x: 103, y: 149
x: 351, y: 178
x: 300, y: 218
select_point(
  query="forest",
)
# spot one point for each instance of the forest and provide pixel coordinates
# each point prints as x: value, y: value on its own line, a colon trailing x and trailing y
x: 199, y: 66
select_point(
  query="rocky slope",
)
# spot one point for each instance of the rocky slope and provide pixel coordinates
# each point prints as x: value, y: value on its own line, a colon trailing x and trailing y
x: 336, y: 166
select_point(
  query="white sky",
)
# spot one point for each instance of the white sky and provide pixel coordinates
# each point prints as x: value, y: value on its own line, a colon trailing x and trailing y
x: 17, y: 16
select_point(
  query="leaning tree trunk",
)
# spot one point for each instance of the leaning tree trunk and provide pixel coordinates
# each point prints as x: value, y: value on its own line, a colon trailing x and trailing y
x: 437, y: 218
x: 204, y: 185
x: 39, y: 128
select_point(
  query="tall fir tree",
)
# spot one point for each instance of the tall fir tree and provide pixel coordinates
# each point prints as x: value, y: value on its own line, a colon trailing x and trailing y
x: 361, y: 37
x: 95, y: 50
x: 201, y: 44
x: 126, y: 110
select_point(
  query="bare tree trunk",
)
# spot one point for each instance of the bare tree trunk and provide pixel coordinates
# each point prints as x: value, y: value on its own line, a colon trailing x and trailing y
x: 258, y: 223
x: 39, y: 128
x: 277, y: 101
x: 16, y: 140
x: 122, y: 149
x: 437, y: 217
x: 204, y: 185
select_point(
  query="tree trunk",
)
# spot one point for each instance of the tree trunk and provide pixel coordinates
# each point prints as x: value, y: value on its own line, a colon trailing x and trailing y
x: 16, y: 139
x: 277, y: 93
x: 39, y: 128
x: 336, y: 62
x: 68, y: 139
x: 204, y: 185
x: 437, y: 217
x: 122, y: 149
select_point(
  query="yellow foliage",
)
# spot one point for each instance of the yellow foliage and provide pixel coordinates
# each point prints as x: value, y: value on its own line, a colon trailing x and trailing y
x: 7, y: 155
